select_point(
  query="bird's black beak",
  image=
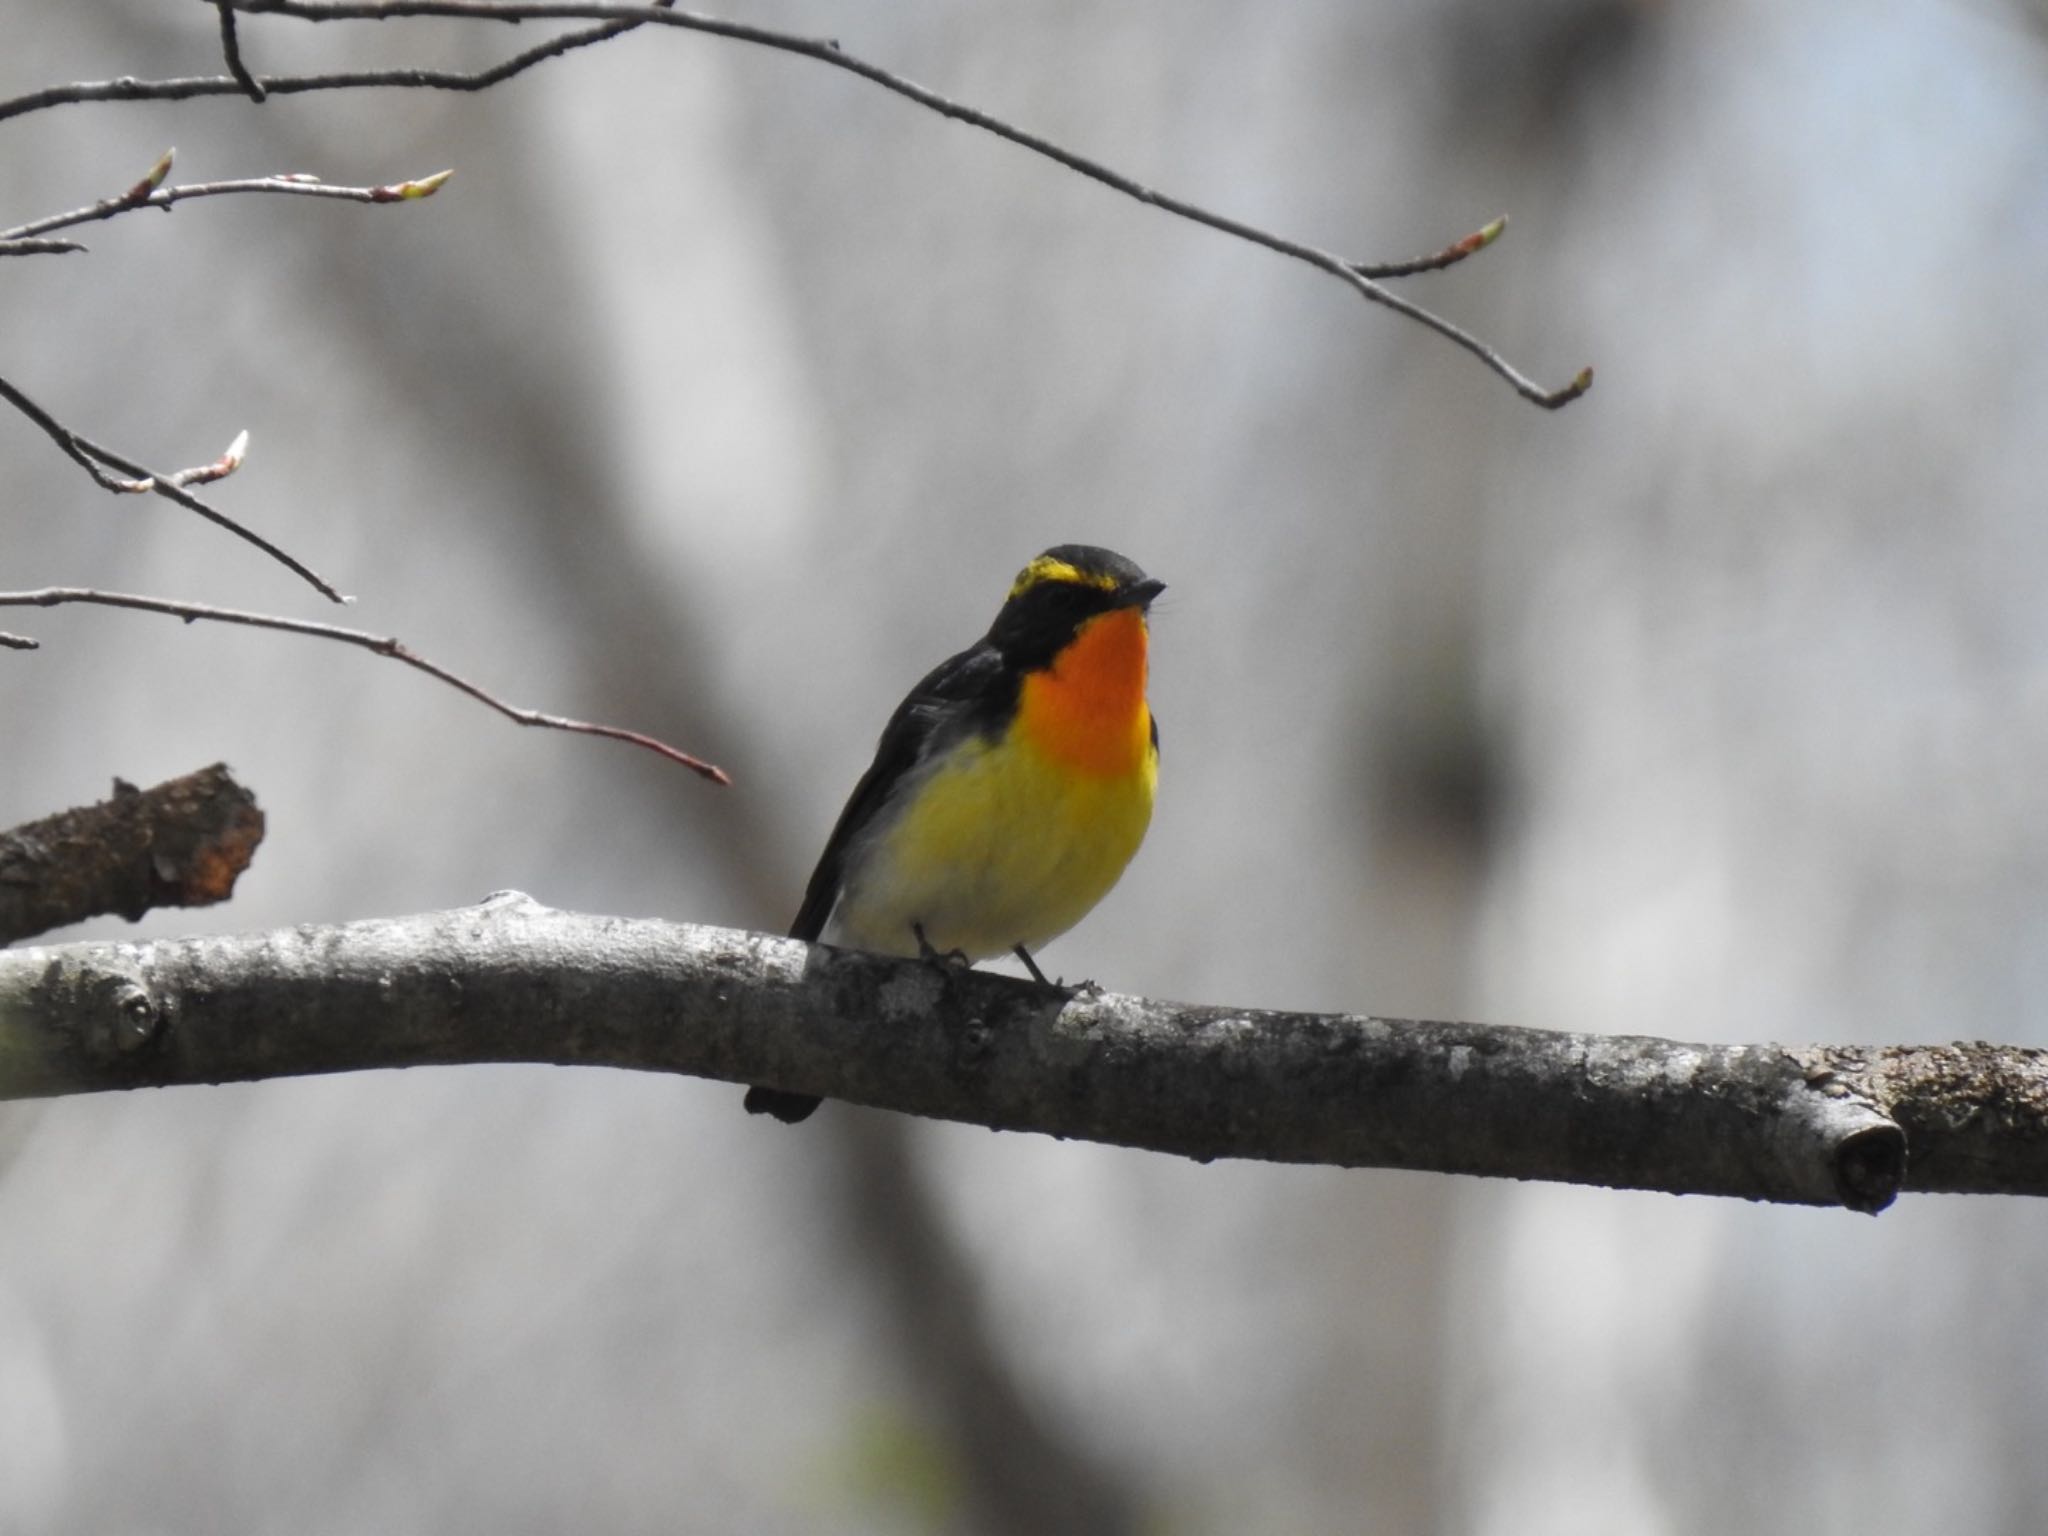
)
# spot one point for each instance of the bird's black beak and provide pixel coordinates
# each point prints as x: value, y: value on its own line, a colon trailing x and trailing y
x: 1139, y: 594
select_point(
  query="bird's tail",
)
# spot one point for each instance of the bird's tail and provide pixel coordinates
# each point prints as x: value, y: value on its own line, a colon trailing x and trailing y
x: 786, y: 1107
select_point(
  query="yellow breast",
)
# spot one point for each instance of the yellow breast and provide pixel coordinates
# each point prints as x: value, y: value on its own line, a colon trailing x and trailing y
x: 1013, y: 840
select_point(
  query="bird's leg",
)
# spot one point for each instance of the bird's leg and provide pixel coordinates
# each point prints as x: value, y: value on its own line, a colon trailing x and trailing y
x: 938, y: 956
x: 1031, y: 965
x: 1085, y: 988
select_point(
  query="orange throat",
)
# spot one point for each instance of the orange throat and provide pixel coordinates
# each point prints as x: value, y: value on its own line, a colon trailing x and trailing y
x: 1087, y: 710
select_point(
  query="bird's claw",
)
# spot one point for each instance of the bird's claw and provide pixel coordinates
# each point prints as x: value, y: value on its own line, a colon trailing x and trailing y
x: 956, y: 958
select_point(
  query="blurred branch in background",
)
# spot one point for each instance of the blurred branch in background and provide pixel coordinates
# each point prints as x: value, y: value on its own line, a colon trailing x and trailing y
x: 1362, y: 276
x: 1027, y: 1474
x: 514, y: 981
x: 381, y: 645
x: 180, y: 844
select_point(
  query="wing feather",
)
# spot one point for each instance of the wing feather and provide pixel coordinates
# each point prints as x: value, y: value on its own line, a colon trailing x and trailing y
x: 930, y: 719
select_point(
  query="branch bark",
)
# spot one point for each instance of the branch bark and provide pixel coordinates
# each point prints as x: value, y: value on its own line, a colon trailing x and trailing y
x: 181, y: 844
x: 514, y: 981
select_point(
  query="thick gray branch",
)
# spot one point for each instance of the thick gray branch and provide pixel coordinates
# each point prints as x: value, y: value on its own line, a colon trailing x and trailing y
x: 513, y: 981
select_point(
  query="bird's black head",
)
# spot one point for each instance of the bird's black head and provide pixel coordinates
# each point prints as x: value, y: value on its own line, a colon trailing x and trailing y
x: 1061, y: 590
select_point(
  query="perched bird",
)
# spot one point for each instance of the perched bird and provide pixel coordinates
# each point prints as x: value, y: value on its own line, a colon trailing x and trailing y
x: 1008, y: 791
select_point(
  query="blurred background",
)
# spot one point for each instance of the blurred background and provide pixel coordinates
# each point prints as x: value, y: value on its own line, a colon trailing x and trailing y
x: 719, y: 395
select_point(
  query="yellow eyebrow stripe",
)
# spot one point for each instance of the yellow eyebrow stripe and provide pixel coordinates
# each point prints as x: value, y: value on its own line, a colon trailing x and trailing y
x: 1045, y: 568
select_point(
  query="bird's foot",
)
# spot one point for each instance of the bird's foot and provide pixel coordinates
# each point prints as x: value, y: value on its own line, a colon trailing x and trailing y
x: 955, y: 958
x: 1082, y: 988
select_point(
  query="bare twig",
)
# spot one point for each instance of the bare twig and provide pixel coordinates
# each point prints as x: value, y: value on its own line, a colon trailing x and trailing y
x: 614, y: 18
x: 15, y: 642
x: 72, y: 444
x: 39, y: 247
x: 139, y: 481
x: 91, y: 456
x: 382, y: 645
x: 17, y: 241
x: 182, y: 844
x: 229, y: 461
x: 128, y: 88
x: 231, y: 52
x: 827, y: 51
x: 1449, y: 256
x: 513, y: 981
x: 145, y: 195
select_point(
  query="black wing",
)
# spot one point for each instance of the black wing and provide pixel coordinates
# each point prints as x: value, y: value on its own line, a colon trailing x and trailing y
x: 970, y: 692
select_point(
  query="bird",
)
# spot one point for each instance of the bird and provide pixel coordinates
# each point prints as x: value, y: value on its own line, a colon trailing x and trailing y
x: 1009, y: 789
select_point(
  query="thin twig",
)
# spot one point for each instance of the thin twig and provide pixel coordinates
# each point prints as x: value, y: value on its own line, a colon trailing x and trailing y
x: 14, y: 242
x: 828, y: 51
x: 19, y: 642
x: 61, y: 435
x: 231, y: 51
x: 172, y: 484
x: 230, y: 460
x: 1356, y: 275
x: 38, y: 247
x: 1449, y: 256
x: 294, y: 184
x: 92, y: 455
x: 381, y: 645
x: 185, y: 88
